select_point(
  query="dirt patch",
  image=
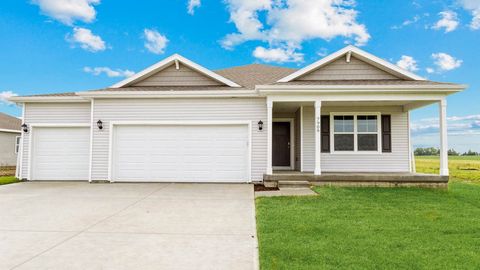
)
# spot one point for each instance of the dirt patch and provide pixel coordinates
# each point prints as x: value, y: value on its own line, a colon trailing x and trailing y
x: 7, y: 171
x: 259, y: 187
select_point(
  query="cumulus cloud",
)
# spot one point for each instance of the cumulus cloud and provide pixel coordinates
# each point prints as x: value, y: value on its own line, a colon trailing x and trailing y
x: 408, y: 63
x: 154, y: 41
x: 5, y: 95
x: 86, y: 40
x: 449, y: 21
x: 68, y: 11
x: 473, y: 6
x: 278, y: 55
x: 288, y: 23
x: 108, y: 71
x: 192, y: 5
x: 457, y: 125
x: 444, y: 62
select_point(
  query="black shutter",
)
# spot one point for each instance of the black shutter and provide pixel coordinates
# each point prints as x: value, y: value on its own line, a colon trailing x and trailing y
x: 325, y: 139
x: 386, y: 133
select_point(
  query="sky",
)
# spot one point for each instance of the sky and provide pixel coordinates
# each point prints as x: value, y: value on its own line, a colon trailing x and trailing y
x: 49, y: 46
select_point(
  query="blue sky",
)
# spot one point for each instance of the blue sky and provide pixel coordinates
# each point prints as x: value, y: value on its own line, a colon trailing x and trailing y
x: 69, y: 45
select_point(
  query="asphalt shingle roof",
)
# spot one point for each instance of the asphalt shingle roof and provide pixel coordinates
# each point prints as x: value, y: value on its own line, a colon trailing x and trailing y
x: 9, y: 122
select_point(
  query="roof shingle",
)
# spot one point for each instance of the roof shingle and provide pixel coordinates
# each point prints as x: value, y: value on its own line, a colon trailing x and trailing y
x: 9, y: 122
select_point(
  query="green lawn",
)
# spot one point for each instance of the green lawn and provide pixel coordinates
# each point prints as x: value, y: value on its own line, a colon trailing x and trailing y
x: 372, y: 228
x: 461, y: 167
x: 7, y: 180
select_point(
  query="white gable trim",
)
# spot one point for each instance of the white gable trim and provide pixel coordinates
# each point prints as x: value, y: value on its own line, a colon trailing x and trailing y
x: 176, y: 58
x: 360, y: 54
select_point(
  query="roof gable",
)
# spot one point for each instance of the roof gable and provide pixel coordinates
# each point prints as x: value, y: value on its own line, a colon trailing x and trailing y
x: 174, y: 71
x: 8, y: 122
x: 351, y: 63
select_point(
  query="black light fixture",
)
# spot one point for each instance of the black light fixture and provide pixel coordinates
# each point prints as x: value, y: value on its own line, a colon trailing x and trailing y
x: 24, y: 127
x: 100, y: 124
x: 260, y: 125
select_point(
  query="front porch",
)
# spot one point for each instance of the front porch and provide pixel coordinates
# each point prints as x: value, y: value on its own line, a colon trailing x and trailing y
x: 295, y: 178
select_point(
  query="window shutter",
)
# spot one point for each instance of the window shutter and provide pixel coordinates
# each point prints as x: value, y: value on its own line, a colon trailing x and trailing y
x: 325, y: 139
x: 386, y: 134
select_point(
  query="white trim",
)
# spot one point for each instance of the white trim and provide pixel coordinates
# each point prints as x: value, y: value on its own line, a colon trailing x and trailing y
x: 166, y: 62
x: 170, y: 94
x: 92, y: 128
x: 44, y: 125
x: 10, y: 130
x: 269, y: 136
x: 17, y: 144
x: 410, y: 164
x: 19, y: 169
x: 355, y: 133
x: 301, y: 138
x: 292, y: 142
x: 351, y: 88
x: 248, y: 123
x: 395, y: 96
x: 317, y: 131
x: 442, y: 107
x: 49, y: 99
x: 362, y: 55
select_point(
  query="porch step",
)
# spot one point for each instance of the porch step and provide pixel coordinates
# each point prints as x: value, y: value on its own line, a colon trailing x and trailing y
x: 293, y: 184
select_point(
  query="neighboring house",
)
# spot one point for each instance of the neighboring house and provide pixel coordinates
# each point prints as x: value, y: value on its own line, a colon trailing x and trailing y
x: 9, y: 139
x: 177, y: 121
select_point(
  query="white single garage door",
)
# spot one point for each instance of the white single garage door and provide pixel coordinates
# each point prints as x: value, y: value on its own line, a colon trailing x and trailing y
x: 180, y: 153
x: 60, y: 153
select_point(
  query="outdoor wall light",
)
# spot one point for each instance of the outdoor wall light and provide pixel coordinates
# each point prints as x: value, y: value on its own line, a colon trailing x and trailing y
x: 260, y: 125
x: 24, y: 128
x: 100, y: 124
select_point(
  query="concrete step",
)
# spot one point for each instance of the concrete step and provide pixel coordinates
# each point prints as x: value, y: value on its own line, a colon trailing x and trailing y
x: 293, y: 184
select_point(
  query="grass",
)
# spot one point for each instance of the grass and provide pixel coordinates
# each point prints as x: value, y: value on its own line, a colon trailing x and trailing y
x: 7, y: 180
x: 372, y: 228
x: 461, y: 167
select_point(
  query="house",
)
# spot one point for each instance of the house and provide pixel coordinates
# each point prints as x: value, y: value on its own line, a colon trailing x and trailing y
x: 340, y: 118
x: 9, y: 139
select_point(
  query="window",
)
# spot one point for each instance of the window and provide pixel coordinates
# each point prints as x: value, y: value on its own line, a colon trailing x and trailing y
x: 17, y: 144
x: 356, y: 133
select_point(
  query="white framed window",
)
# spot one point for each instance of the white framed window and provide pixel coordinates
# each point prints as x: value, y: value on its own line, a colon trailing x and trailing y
x: 18, y: 139
x: 355, y: 132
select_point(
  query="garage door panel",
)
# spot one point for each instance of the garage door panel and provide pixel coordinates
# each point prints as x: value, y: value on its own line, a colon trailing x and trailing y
x: 60, y: 153
x: 181, y: 153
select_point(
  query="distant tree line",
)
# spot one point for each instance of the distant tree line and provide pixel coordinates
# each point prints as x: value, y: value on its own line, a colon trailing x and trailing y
x: 432, y: 151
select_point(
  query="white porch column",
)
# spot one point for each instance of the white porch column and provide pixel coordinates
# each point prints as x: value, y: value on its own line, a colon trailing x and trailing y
x: 269, y: 135
x: 443, y: 137
x: 318, y: 128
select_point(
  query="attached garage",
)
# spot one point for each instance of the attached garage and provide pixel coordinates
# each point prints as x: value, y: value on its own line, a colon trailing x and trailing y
x: 181, y: 153
x: 60, y: 153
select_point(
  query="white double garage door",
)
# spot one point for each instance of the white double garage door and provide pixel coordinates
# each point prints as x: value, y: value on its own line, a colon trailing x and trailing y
x: 147, y: 153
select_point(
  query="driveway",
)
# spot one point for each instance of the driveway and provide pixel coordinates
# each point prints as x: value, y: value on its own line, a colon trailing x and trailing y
x: 55, y: 225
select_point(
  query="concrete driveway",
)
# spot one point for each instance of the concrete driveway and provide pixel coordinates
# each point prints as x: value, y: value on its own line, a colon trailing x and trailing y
x: 54, y: 225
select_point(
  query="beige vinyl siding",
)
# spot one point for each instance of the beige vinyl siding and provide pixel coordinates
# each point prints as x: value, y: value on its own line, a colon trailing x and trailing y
x: 8, y: 157
x: 396, y: 161
x: 52, y: 113
x: 184, y: 76
x: 341, y: 70
x: 198, y: 109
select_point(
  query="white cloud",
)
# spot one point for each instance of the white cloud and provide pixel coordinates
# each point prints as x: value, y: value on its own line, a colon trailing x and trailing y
x: 408, y: 63
x: 87, y: 40
x: 68, y: 11
x: 278, y: 55
x: 430, y: 70
x: 154, y: 41
x: 457, y: 125
x: 415, y: 19
x: 108, y: 71
x: 474, y: 7
x: 288, y: 23
x: 449, y: 21
x: 192, y: 5
x: 5, y: 95
x: 444, y: 62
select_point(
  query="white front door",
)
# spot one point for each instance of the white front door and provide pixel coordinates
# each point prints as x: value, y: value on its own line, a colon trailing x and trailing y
x: 60, y: 153
x: 180, y: 153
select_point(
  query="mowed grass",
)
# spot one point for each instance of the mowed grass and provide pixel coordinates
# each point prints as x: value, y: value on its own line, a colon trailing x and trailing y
x: 461, y: 167
x: 7, y: 180
x: 372, y: 228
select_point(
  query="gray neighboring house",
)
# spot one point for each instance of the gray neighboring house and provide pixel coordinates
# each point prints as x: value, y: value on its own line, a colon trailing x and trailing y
x: 343, y: 118
x: 10, y: 136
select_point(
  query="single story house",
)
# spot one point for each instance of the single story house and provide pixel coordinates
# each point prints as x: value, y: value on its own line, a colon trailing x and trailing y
x: 9, y: 140
x: 176, y: 121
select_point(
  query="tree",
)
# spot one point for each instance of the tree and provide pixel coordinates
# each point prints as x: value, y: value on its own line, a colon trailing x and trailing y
x: 471, y: 153
x: 452, y: 152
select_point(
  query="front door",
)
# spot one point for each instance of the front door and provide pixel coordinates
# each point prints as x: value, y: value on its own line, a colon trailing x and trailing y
x: 281, y: 144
